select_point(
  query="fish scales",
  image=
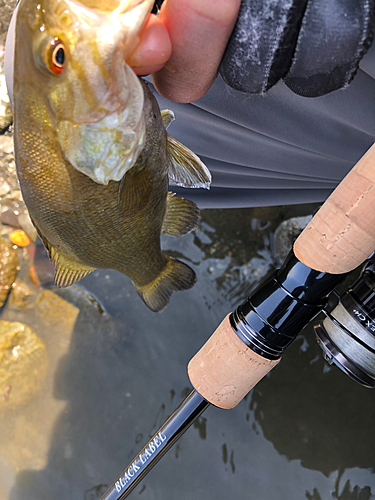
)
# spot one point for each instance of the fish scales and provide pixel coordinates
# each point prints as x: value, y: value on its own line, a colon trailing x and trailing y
x: 73, y: 208
x: 94, y: 164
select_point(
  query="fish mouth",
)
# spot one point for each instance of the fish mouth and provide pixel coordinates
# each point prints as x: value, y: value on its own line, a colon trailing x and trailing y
x: 105, y: 146
x: 105, y: 41
x: 119, y: 26
x: 106, y: 133
x: 133, y: 15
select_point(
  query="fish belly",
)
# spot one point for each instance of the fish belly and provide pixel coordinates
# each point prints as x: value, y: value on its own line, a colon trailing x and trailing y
x: 99, y: 226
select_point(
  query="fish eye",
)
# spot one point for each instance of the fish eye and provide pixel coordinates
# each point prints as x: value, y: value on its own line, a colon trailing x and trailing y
x: 52, y: 55
x: 58, y: 57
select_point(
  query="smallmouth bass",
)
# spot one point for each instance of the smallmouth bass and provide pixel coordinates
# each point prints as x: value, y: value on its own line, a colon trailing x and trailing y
x: 92, y: 152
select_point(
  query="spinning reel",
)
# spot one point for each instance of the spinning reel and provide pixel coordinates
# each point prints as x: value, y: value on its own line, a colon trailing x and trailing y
x: 347, y: 333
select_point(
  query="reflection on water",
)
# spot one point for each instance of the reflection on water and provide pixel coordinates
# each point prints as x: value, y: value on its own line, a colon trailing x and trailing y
x: 200, y: 424
x: 340, y: 412
x: 347, y: 493
x: 95, y: 492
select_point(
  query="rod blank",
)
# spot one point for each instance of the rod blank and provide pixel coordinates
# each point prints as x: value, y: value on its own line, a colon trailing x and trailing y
x: 185, y: 415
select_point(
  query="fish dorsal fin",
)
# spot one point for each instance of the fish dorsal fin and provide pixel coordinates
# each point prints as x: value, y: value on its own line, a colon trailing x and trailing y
x: 181, y: 217
x: 167, y: 116
x: 185, y: 168
x: 67, y: 272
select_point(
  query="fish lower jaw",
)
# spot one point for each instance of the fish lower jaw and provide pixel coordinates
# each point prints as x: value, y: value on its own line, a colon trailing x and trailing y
x: 101, y: 152
x: 114, y: 169
x: 107, y: 149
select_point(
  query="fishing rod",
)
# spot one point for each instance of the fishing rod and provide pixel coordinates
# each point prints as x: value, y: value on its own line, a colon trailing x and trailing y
x: 250, y: 341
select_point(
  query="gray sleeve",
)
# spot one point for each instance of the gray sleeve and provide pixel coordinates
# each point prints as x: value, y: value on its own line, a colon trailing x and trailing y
x: 278, y: 148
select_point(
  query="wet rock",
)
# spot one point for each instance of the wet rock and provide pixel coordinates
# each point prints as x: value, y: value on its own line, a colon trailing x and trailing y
x: 6, y: 141
x: 15, y: 195
x: 22, y: 296
x: 27, y: 436
x: 8, y: 176
x: 5, y: 231
x: 9, y: 218
x: 27, y: 226
x: 4, y: 188
x: 6, y: 117
x: 8, y: 268
x: 23, y: 364
x: 56, y: 311
x: 6, y: 11
x: 19, y: 238
x: 6, y: 114
x: 42, y: 273
x: 37, y: 252
x: 286, y: 234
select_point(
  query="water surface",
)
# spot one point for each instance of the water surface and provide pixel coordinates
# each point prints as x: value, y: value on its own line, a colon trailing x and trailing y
x: 117, y: 371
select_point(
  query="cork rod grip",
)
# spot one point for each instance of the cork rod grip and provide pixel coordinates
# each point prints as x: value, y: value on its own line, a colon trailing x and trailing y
x: 342, y: 233
x: 225, y: 370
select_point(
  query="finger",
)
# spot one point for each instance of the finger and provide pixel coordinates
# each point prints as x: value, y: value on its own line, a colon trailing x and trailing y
x: 199, y: 31
x: 154, y: 49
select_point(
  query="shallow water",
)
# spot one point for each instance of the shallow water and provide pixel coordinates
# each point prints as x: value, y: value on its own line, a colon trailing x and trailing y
x: 116, y: 373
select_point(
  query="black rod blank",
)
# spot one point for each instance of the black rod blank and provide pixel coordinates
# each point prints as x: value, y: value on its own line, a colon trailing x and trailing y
x: 185, y: 415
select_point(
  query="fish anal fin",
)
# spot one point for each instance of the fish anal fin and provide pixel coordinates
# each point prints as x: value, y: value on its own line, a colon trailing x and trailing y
x: 185, y: 168
x: 68, y: 272
x: 174, y: 277
x: 181, y: 217
x: 167, y: 117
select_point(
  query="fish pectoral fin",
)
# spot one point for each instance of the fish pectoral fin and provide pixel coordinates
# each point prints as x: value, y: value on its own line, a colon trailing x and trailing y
x: 167, y: 116
x: 68, y: 272
x: 185, y: 168
x: 134, y: 191
x: 174, y: 277
x: 181, y: 216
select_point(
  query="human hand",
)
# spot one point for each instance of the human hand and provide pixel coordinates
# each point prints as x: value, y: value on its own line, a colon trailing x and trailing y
x: 183, y: 47
x: 153, y: 50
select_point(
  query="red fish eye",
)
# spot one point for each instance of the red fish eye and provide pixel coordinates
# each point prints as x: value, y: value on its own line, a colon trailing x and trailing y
x: 56, y: 56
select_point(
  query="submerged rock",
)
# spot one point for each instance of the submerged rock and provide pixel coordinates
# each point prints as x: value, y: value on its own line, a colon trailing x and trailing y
x: 23, y: 364
x: 4, y: 188
x: 27, y: 226
x: 8, y: 268
x: 6, y: 117
x: 286, y: 234
x: 42, y: 273
x: 22, y: 296
x: 6, y: 141
x: 56, y: 311
x: 9, y: 218
x: 19, y: 238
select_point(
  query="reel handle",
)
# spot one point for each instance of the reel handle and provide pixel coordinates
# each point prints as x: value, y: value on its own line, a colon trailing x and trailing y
x: 342, y: 233
x: 224, y: 370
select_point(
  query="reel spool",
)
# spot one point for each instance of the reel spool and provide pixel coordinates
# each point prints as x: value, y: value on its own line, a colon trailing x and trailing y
x: 347, y: 334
